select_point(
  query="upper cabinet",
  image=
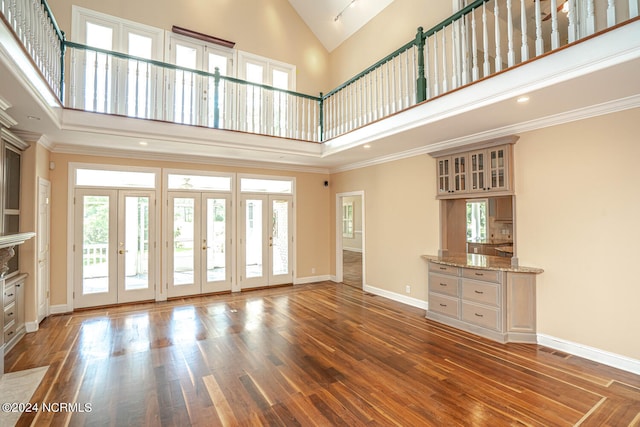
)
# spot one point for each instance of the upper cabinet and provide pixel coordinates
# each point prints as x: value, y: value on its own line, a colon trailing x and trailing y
x: 486, y: 169
x: 452, y: 174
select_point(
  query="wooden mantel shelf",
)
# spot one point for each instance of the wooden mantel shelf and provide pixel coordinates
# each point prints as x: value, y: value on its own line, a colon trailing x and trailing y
x: 15, y: 239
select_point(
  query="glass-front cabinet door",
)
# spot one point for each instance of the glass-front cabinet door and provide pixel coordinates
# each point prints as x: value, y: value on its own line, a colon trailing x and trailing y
x: 452, y: 174
x: 459, y: 173
x: 498, y: 169
x: 444, y: 186
x: 477, y: 170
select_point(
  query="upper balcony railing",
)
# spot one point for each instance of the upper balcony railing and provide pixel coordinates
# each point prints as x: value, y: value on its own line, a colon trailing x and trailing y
x: 482, y: 39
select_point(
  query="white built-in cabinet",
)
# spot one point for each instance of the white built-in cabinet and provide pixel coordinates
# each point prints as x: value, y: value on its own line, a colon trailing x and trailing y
x: 482, y: 170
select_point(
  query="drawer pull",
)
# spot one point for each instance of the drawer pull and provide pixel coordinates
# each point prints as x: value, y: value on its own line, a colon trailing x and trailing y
x: 11, y: 314
x: 479, y: 274
x: 9, y: 295
x: 443, y: 284
x: 10, y: 333
x: 443, y: 305
x: 479, y: 292
x: 443, y: 268
x: 479, y: 315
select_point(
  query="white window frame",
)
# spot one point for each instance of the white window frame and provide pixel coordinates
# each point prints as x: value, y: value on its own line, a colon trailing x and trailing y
x: 121, y: 28
x: 200, y: 106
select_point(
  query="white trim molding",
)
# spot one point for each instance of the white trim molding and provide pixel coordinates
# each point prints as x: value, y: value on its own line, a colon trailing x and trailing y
x: 591, y: 353
x: 311, y: 279
x: 414, y: 302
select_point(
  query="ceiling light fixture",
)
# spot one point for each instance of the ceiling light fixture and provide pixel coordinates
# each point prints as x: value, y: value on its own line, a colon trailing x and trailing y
x: 143, y: 143
x: 351, y: 3
x: 522, y: 99
x: 366, y: 146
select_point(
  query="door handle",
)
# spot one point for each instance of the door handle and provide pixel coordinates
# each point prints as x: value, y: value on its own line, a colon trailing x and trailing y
x: 122, y: 251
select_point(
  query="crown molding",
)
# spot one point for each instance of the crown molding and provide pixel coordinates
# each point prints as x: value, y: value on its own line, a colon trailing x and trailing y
x: 175, y: 157
x: 518, y: 128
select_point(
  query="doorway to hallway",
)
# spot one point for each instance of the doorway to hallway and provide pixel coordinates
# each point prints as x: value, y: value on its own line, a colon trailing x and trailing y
x: 350, y: 238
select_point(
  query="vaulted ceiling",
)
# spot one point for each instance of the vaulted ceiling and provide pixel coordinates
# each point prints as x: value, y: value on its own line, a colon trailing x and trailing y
x: 334, y: 21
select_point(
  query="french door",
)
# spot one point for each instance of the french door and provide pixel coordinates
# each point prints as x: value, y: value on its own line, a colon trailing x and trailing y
x: 266, y: 240
x: 199, y: 255
x: 114, y: 246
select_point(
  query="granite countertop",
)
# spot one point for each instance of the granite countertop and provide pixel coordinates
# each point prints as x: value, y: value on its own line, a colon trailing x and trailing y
x: 481, y: 262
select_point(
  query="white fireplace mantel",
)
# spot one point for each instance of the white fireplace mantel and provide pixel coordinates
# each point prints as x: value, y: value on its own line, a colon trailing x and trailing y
x: 15, y: 239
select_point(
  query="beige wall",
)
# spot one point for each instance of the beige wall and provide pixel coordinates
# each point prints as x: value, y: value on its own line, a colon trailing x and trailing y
x: 312, y: 250
x: 577, y: 210
x: 269, y: 28
x: 400, y: 224
x: 577, y: 218
x: 396, y: 25
x: 35, y: 163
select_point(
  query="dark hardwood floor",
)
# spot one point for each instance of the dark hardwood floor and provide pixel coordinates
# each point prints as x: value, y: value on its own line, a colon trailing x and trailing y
x: 319, y: 354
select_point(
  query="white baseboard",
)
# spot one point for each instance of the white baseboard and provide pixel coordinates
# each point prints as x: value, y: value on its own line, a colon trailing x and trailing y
x: 311, y: 279
x: 414, y: 302
x: 31, y: 326
x: 594, y: 354
x: 59, y: 309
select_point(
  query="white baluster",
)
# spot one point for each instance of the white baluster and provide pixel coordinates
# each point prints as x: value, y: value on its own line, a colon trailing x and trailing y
x: 474, y: 48
x: 391, y: 83
x: 555, y: 35
x: 455, y: 54
x: 465, y: 51
x: 511, y: 56
x: 571, y: 16
x: 436, y: 67
x: 633, y: 8
x: 591, y: 18
x: 444, y: 62
x: 524, y: 50
x: 539, y: 40
x: 611, y: 13
x: 485, y: 43
x: 496, y: 13
x: 408, y: 69
x: 427, y: 69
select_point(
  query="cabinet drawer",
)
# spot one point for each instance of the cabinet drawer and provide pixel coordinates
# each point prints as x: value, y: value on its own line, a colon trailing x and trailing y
x: 482, y: 292
x: 9, y: 331
x: 443, y: 284
x: 443, y: 269
x: 9, y: 313
x: 444, y: 305
x: 9, y: 294
x: 486, y: 317
x: 485, y: 275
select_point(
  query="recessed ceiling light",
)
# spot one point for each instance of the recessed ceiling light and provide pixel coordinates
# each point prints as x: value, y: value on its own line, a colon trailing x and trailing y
x: 33, y: 118
x: 367, y: 146
x: 523, y: 99
x: 143, y: 143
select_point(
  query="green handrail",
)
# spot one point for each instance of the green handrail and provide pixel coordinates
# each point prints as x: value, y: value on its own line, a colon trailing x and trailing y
x: 185, y: 69
x: 371, y: 68
x: 47, y: 10
x: 459, y: 14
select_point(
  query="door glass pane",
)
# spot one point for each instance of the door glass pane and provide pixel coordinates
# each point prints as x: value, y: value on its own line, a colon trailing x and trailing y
x: 136, y: 244
x: 216, y: 239
x: 280, y: 237
x: 95, y: 245
x: 183, y: 243
x: 253, y: 247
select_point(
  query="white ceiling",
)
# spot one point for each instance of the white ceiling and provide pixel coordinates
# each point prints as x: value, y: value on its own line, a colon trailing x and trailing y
x: 319, y: 15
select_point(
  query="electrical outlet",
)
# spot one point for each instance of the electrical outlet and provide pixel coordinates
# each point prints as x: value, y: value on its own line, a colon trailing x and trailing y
x: 407, y: 289
x: 313, y: 270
